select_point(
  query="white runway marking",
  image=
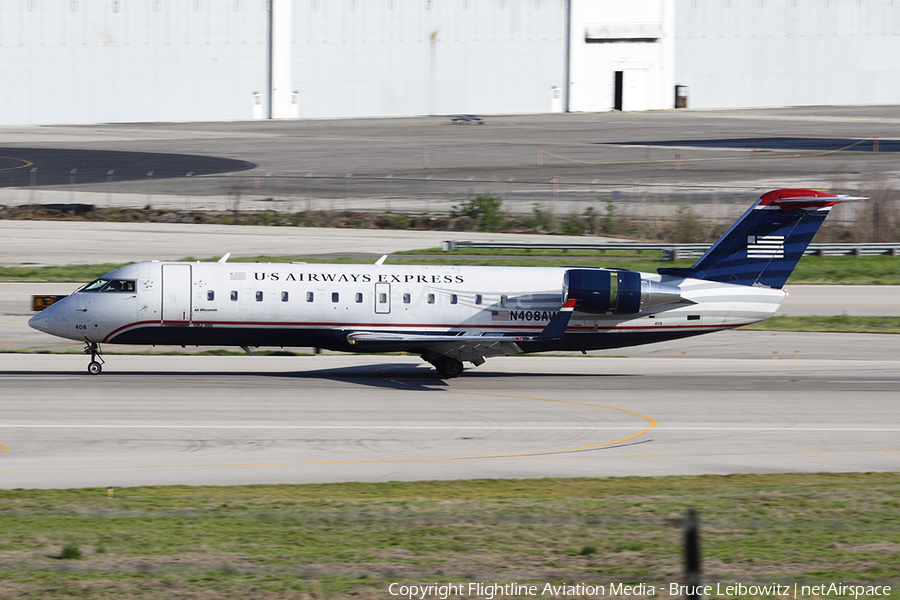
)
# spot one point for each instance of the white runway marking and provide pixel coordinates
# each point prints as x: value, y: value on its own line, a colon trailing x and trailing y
x: 440, y: 428
x: 37, y: 378
x: 868, y: 381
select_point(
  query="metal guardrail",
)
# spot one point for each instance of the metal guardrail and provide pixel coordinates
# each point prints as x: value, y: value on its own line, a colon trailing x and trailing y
x: 676, y: 251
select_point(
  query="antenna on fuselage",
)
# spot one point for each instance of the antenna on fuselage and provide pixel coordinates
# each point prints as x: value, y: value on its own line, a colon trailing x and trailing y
x: 381, y: 260
x: 225, y: 258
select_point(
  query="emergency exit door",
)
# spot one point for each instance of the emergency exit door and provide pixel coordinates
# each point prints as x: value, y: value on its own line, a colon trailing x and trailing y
x: 176, y: 294
x: 382, y: 298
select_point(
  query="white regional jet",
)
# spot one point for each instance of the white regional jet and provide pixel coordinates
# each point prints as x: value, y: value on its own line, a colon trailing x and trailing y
x: 447, y: 314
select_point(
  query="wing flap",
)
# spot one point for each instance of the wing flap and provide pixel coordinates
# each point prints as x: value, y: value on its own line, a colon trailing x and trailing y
x: 461, y: 347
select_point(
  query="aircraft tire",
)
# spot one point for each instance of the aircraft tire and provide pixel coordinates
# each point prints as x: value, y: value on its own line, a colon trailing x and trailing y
x: 94, y: 367
x: 449, y: 367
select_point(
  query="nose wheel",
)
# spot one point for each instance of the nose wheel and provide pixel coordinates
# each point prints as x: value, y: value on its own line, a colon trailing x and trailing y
x: 96, y: 364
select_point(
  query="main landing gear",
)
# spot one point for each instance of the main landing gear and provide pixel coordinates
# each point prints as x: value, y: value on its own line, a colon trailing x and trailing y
x: 96, y: 364
x: 448, y: 367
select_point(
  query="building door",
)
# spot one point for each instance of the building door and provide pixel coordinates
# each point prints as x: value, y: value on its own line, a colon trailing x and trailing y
x: 176, y: 295
x: 619, y: 87
x: 382, y: 298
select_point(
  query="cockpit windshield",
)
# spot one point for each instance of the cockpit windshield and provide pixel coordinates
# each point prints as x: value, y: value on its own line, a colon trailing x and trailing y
x: 110, y: 285
x: 119, y: 285
x: 95, y: 285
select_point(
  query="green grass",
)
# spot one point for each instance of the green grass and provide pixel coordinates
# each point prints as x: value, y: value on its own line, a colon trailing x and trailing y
x: 66, y: 274
x: 845, y: 270
x: 836, y: 324
x: 596, y: 254
x: 353, y: 539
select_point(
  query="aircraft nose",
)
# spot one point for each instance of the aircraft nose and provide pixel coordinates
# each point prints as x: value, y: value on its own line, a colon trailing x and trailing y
x: 40, y: 321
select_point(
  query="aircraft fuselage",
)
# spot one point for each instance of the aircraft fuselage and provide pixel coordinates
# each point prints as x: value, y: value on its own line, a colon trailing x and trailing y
x: 306, y: 305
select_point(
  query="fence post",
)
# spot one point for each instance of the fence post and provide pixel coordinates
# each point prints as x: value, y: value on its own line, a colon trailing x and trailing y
x: 33, y: 183
x: 187, y: 198
x: 347, y: 189
x: 691, y: 555
x: 72, y: 186
x: 109, y: 179
x: 149, y: 189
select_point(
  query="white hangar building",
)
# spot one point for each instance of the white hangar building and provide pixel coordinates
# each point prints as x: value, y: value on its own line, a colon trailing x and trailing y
x: 90, y: 61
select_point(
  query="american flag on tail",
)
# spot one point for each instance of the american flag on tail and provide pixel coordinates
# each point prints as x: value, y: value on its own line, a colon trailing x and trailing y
x: 765, y: 246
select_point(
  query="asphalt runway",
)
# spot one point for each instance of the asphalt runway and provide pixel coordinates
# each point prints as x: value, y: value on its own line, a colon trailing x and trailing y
x: 47, y: 243
x: 243, y: 420
x: 746, y: 149
x: 729, y: 402
x: 96, y: 166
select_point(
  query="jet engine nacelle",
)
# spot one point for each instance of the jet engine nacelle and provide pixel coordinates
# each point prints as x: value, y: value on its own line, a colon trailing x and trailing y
x: 620, y: 292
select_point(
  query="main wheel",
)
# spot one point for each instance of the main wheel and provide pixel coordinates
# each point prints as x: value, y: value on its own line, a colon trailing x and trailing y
x: 449, y: 367
x: 94, y: 367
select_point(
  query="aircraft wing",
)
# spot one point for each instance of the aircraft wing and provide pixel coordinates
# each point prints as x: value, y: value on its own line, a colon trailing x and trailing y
x: 471, y: 348
x: 461, y: 347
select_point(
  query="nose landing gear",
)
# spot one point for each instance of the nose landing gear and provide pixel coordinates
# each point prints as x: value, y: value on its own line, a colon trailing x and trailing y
x: 96, y: 364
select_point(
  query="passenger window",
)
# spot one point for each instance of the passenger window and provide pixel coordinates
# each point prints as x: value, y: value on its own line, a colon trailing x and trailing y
x: 259, y: 296
x: 335, y: 296
x: 359, y: 297
x: 504, y: 301
x: 210, y: 295
x: 310, y: 296
x: 430, y: 298
x: 284, y: 296
x: 406, y: 298
x: 382, y: 298
x: 234, y: 295
x: 477, y: 298
x: 453, y: 299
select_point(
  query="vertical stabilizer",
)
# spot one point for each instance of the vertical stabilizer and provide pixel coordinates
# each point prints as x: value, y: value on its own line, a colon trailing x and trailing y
x: 765, y: 244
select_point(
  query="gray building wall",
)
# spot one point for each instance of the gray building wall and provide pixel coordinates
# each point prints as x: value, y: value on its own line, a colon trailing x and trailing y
x: 94, y: 61
x: 743, y: 53
x: 420, y: 57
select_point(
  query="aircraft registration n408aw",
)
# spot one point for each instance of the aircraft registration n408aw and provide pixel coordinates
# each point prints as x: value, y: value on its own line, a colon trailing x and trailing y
x: 446, y: 314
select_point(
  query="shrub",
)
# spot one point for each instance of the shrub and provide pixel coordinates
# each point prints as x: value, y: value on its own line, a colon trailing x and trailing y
x: 485, y: 211
x: 543, y: 218
x: 688, y: 226
x: 609, y: 219
x: 70, y: 551
x: 573, y: 226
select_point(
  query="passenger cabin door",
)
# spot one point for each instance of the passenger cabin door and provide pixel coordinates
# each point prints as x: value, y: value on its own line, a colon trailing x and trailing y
x: 176, y: 294
x: 382, y: 298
